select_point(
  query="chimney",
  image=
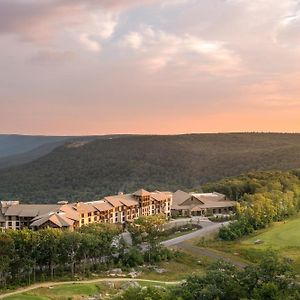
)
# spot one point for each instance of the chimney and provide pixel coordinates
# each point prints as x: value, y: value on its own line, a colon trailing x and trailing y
x: 62, y: 202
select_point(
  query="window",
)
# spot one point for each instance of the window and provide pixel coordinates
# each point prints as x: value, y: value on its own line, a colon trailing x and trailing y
x: 95, y: 218
x: 89, y: 220
x: 89, y: 214
x: 82, y: 215
x: 82, y: 221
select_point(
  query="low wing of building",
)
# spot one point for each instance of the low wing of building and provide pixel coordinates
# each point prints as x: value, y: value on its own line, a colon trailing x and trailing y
x: 201, y: 204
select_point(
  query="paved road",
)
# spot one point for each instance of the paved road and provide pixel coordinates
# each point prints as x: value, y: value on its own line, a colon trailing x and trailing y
x: 50, y: 284
x: 207, y: 228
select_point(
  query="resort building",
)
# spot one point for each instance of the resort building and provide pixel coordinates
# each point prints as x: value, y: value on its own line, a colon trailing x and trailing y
x: 118, y: 209
x: 201, y: 204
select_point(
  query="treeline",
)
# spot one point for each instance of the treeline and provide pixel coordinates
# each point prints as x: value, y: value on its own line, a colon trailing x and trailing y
x: 105, y: 167
x: 28, y: 256
x: 272, y: 279
x: 263, y: 198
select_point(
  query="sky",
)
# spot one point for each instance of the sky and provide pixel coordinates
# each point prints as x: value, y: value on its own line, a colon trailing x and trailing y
x: 149, y: 66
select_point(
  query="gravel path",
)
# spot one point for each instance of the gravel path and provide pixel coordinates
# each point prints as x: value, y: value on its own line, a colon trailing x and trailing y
x: 50, y: 284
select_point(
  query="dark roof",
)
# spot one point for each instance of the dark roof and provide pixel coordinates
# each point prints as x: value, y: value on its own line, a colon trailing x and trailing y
x: 30, y: 210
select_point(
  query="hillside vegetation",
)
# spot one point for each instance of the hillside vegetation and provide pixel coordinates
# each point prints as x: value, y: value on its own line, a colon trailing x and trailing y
x: 104, y: 167
x: 263, y: 198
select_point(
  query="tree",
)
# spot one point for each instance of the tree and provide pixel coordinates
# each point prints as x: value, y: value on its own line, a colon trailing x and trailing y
x: 70, y: 243
x: 221, y: 282
x: 149, y: 293
x: 6, y: 255
x: 49, y: 248
x: 151, y: 226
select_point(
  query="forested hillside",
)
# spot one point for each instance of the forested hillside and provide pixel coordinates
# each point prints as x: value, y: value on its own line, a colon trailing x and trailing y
x: 104, y: 167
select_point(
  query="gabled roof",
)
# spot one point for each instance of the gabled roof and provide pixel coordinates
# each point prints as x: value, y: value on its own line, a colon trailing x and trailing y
x: 30, y: 210
x: 204, y: 200
x: 120, y: 200
x: 193, y: 201
x: 70, y: 212
x: 179, y: 197
x: 58, y: 219
x: 160, y: 196
x: 82, y: 207
x: 103, y: 206
x: 141, y: 193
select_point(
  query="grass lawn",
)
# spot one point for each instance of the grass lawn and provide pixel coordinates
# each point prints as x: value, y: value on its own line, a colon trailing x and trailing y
x: 61, y: 292
x: 283, y: 237
x: 26, y: 297
x: 177, y: 234
x: 280, y: 236
x: 77, y: 291
x: 177, y: 269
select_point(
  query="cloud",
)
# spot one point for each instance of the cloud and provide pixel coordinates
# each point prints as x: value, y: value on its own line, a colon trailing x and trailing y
x: 41, y: 22
x: 186, y: 56
x: 100, y: 27
x: 288, y: 31
x: 89, y: 43
x: 52, y: 57
x: 133, y: 40
x: 157, y: 49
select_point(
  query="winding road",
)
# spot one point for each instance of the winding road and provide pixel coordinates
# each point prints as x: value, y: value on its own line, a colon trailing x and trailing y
x: 207, y: 228
x: 181, y: 242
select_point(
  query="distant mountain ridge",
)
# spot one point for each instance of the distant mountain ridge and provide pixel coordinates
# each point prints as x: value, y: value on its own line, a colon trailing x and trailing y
x: 20, y: 149
x: 14, y: 144
x: 106, y: 166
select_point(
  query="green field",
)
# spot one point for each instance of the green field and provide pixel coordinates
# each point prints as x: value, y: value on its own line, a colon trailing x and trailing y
x: 283, y: 237
x: 77, y: 291
x: 61, y: 292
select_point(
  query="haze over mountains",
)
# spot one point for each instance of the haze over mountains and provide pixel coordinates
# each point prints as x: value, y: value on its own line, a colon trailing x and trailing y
x: 19, y: 149
x: 100, y: 166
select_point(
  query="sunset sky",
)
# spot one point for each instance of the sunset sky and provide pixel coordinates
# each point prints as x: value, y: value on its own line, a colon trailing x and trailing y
x: 149, y: 66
